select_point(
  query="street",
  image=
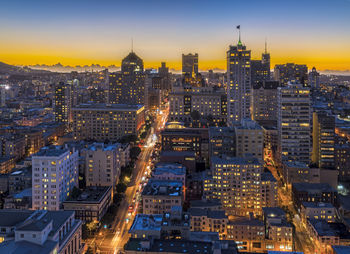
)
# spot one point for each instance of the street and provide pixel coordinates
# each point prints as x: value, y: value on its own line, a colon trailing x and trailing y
x: 113, y: 240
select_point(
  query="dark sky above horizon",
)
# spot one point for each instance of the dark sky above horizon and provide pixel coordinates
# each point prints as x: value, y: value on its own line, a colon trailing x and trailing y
x: 316, y: 33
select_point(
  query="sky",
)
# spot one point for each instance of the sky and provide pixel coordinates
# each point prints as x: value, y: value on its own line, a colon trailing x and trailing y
x: 79, y: 32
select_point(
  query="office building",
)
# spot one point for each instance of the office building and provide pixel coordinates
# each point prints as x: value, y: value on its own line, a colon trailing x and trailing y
x: 176, y: 137
x: 264, y: 102
x: 260, y: 69
x: 41, y: 231
x: 102, y: 164
x: 110, y: 122
x: 238, y: 83
x: 290, y: 72
x: 314, y: 79
x: 54, y: 175
x: 323, y: 135
x: 128, y: 86
x: 209, y: 103
x: 294, y: 123
x: 222, y: 142
x: 190, y: 64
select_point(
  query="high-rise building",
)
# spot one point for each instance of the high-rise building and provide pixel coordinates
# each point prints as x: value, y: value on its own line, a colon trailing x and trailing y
x: 291, y: 72
x: 294, y: 123
x: 63, y: 102
x: 238, y: 83
x: 260, y: 69
x: 102, y: 164
x: 190, y: 64
x: 110, y: 122
x: 323, y: 135
x: 128, y: 86
x: 314, y: 78
x: 249, y: 139
x: 209, y: 103
x: 54, y: 175
x: 264, y: 102
x: 237, y: 182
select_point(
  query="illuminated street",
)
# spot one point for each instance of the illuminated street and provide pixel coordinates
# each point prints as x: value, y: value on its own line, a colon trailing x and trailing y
x: 113, y: 240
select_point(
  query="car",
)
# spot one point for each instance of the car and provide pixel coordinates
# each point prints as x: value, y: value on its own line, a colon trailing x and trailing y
x: 131, y: 208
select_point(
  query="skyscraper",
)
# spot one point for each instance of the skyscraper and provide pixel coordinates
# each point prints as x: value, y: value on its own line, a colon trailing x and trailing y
x: 260, y: 69
x: 128, y: 86
x: 294, y: 122
x: 190, y: 64
x: 63, y: 102
x: 238, y: 83
x: 323, y: 135
x: 314, y: 78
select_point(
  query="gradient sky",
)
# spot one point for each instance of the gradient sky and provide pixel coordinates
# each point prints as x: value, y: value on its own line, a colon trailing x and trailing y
x: 79, y: 32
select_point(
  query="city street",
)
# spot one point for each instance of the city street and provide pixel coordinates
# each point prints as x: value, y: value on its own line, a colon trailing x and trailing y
x: 113, y: 240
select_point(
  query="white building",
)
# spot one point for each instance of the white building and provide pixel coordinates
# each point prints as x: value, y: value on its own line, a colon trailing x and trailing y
x: 294, y: 120
x: 55, y: 173
x: 102, y: 164
x: 238, y: 83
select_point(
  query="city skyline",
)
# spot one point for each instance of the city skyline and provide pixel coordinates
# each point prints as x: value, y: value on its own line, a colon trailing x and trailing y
x: 85, y: 33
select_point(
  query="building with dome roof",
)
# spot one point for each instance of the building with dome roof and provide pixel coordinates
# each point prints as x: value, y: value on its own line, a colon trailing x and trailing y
x: 128, y: 86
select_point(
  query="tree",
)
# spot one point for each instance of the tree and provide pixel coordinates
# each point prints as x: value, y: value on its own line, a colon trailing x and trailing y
x: 121, y: 187
x: 134, y: 152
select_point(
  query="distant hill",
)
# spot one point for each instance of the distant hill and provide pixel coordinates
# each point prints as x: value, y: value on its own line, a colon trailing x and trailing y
x: 11, y: 69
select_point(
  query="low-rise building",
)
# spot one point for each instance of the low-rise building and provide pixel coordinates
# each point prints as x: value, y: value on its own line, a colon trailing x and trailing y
x: 318, y: 211
x: 19, y: 201
x: 313, y: 192
x: 7, y: 164
x: 279, y: 233
x: 209, y: 221
x: 170, y: 171
x: 159, y: 196
x: 248, y: 234
x: 326, y: 234
x: 40, y: 232
x: 91, y: 204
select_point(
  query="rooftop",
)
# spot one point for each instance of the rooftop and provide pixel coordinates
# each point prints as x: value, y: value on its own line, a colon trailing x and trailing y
x: 107, y: 107
x: 147, y: 222
x: 51, y: 151
x: 205, y: 203
x: 172, y: 246
x: 274, y: 212
x: 10, y: 218
x: 235, y: 160
x: 313, y: 187
x: 92, y: 194
x: 325, y: 228
x: 163, y: 188
x: 247, y: 221
x: 104, y: 147
x: 341, y: 249
x: 317, y: 205
x: 27, y: 247
x: 173, y: 168
x: 214, y: 214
